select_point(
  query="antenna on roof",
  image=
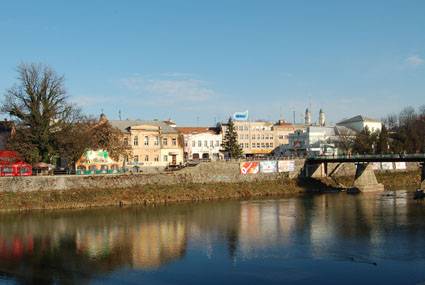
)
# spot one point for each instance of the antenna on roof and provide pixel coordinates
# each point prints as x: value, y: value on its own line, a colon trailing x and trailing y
x: 119, y: 115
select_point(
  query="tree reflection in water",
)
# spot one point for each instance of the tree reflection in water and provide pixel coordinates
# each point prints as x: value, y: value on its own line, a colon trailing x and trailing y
x: 81, y: 246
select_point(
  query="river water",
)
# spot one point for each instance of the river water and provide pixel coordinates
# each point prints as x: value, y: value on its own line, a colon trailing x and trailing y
x: 330, y: 238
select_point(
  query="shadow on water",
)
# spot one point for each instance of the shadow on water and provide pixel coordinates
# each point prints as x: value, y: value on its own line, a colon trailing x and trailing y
x: 83, y: 246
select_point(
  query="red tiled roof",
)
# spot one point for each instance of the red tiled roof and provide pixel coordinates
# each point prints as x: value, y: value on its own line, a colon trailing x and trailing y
x: 196, y: 130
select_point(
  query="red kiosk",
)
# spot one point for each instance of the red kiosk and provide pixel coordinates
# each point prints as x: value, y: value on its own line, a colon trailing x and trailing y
x: 11, y: 164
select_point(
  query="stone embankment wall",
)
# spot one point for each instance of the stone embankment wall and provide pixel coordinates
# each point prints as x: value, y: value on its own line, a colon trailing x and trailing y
x: 208, y: 172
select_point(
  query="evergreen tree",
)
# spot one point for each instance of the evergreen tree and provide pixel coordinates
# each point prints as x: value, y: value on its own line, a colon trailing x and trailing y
x: 383, y: 142
x: 230, y: 142
x: 363, y: 143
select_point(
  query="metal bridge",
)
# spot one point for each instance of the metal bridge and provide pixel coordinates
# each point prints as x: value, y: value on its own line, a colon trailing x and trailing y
x: 367, y: 158
x: 365, y: 179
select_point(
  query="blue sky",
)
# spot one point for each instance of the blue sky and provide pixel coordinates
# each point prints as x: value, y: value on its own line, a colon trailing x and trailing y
x: 200, y: 61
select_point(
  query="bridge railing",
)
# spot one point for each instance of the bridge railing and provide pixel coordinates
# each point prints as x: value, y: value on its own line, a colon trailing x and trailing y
x: 367, y: 156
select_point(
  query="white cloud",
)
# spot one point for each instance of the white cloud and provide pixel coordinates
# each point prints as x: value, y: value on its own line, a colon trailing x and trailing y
x: 415, y: 60
x: 169, y: 88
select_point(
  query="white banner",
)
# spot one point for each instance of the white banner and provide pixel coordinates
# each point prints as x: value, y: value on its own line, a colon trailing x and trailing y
x: 286, y: 165
x: 400, y: 165
x: 376, y: 165
x: 387, y: 165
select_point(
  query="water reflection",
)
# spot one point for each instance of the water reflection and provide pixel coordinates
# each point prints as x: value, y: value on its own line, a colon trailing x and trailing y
x: 82, y: 246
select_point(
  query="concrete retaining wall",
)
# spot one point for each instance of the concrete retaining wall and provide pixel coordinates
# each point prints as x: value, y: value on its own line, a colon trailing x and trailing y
x: 209, y: 172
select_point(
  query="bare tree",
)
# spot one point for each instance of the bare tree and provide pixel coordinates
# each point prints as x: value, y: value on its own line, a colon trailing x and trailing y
x: 38, y: 103
x: 345, y: 139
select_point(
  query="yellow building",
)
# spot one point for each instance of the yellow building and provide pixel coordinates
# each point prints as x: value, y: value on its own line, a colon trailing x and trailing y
x: 153, y: 143
x: 261, y: 137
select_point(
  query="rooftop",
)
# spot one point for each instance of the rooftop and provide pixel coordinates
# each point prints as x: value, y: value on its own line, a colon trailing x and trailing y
x: 359, y: 118
x: 124, y: 125
x: 197, y: 130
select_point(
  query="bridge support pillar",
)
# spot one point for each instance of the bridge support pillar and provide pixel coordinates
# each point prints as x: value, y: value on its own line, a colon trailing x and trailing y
x: 316, y: 170
x: 423, y: 175
x: 365, y: 180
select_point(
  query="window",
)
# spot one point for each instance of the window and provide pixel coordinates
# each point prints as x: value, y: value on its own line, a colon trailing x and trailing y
x: 258, y: 145
x: 245, y: 128
x: 246, y: 145
x: 165, y: 141
x: 165, y: 157
x: 199, y: 143
x: 211, y: 143
x: 262, y: 137
x: 156, y: 142
x: 262, y: 145
x: 258, y: 137
x: 241, y: 145
x: 271, y: 145
x: 246, y: 136
x: 267, y: 145
x: 205, y: 143
x: 267, y: 136
x: 241, y: 137
x: 136, y: 141
x: 217, y: 143
x: 146, y: 140
x: 136, y: 158
x: 253, y: 145
x: 253, y: 137
x: 174, y: 141
x: 193, y: 143
x: 156, y: 158
x: 281, y: 137
x: 271, y: 137
x: 125, y: 141
x: 146, y: 157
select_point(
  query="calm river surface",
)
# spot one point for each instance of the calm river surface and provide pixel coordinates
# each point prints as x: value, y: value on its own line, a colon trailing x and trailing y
x: 328, y: 238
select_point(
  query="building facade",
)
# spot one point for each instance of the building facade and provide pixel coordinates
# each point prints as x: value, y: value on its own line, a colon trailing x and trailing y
x: 261, y: 137
x: 201, y: 143
x: 153, y: 143
x: 318, y: 140
x: 7, y: 129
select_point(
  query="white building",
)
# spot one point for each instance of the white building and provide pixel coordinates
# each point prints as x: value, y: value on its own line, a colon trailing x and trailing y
x: 359, y: 123
x: 318, y: 140
x: 201, y: 143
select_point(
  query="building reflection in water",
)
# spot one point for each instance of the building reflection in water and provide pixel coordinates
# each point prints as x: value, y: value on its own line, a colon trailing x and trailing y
x: 79, y: 245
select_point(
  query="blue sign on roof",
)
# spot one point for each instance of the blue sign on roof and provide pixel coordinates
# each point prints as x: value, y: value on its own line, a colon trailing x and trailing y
x: 240, y: 116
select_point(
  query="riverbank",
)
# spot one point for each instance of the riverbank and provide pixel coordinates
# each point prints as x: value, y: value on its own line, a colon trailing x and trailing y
x: 155, y: 194
x: 391, y: 180
x: 146, y: 195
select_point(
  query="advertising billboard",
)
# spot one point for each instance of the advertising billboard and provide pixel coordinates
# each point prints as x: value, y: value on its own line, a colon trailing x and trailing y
x: 286, y: 165
x: 251, y: 167
x: 268, y: 166
x: 400, y: 165
x: 386, y: 165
